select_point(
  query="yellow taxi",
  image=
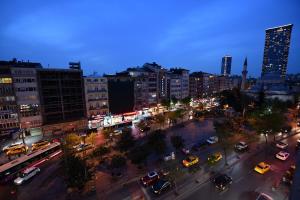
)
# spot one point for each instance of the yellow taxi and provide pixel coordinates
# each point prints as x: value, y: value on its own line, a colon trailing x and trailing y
x: 190, y: 160
x: 262, y: 167
x: 39, y: 145
x: 214, y: 157
x: 17, y: 150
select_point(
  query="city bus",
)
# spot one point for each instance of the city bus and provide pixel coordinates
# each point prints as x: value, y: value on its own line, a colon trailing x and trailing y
x: 10, y: 170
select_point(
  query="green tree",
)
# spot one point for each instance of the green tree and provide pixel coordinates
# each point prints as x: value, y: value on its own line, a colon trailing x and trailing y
x: 126, y: 141
x: 160, y: 119
x: 156, y: 141
x: 72, y: 139
x: 224, y: 130
x: 186, y: 101
x: 177, y: 142
x: 76, y: 172
x: 139, y: 154
x: 166, y: 103
x: 101, y: 151
x: 117, y: 161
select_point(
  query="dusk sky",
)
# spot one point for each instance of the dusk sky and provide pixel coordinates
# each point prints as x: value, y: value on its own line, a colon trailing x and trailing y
x: 109, y: 36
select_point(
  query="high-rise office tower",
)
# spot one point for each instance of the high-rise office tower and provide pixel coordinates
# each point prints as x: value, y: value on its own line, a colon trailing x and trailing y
x: 226, y: 65
x: 276, y: 50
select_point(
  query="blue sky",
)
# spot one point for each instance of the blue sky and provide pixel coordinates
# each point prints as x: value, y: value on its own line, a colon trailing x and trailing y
x: 109, y: 36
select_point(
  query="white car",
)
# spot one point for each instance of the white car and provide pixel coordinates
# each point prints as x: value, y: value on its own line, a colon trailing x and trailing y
x: 241, y: 146
x: 170, y: 157
x: 26, y: 174
x: 212, y: 140
x: 185, y: 151
x: 117, y: 132
x: 282, y: 155
x: 281, y: 145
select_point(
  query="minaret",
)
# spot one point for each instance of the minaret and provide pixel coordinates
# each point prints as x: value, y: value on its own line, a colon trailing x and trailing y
x: 244, y: 75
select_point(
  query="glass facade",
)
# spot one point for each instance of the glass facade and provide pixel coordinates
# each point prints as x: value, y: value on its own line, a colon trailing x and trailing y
x: 226, y: 65
x: 276, y: 50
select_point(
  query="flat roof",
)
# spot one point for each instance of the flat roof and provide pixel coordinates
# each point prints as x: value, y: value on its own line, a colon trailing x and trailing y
x: 279, y: 26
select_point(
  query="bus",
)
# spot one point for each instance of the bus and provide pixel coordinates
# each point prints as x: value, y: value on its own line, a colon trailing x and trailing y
x: 10, y: 170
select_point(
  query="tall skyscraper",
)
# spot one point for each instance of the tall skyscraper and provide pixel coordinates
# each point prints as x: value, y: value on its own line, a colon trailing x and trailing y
x: 244, y: 75
x: 276, y: 50
x: 226, y: 65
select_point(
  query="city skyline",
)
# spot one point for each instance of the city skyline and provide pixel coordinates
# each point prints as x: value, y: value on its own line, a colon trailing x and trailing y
x: 106, y: 41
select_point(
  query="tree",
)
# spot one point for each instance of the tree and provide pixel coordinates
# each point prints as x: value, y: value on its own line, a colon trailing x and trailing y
x: 177, y: 142
x: 139, y: 154
x: 117, y: 161
x: 76, y: 172
x: 101, y: 151
x: 90, y: 139
x: 166, y: 103
x: 268, y: 123
x: 160, y: 119
x: 186, y: 101
x: 174, y: 100
x: 72, y: 139
x: 156, y: 141
x: 126, y: 141
x: 224, y: 131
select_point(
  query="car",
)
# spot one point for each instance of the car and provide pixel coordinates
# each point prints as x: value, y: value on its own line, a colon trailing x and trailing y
x: 82, y: 147
x: 200, y: 144
x: 145, y: 129
x: 26, y: 175
x: 214, y: 158
x: 298, y: 144
x: 222, y: 181
x: 241, y: 147
x: 298, y: 124
x: 282, y: 155
x: 185, y: 151
x: 212, y: 140
x: 288, y: 175
x: 117, y: 132
x: 161, y: 186
x: 38, y: 145
x: 150, y: 178
x: 170, y: 156
x: 281, y: 145
x: 190, y: 160
x: 263, y: 196
x: 262, y: 167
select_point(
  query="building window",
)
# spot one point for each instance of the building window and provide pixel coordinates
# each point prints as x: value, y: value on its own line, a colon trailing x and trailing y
x: 5, y: 80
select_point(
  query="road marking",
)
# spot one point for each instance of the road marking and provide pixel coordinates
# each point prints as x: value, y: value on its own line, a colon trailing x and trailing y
x: 239, y: 179
x: 145, y: 193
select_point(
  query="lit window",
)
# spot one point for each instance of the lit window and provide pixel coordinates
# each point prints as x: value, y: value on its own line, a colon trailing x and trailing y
x: 5, y: 80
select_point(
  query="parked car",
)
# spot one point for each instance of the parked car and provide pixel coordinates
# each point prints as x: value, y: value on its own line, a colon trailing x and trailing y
x: 281, y: 145
x: 170, y: 156
x: 82, y: 147
x: 161, y: 186
x: 222, y: 181
x: 117, y: 132
x: 145, y: 129
x: 26, y: 175
x: 185, y: 151
x: 212, y: 140
x: 214, y: 158
x: 298, y: 144
x: 241, y: 147
x: 150, y: 178
x: 282, y: 155
x: 289, y: 175
x: 190, y: 160
x: 262, y: 167
x: 263, y: 196
x: 38, y: 145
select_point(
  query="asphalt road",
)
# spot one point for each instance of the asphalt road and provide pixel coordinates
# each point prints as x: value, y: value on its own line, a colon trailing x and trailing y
x: 246, y: 182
